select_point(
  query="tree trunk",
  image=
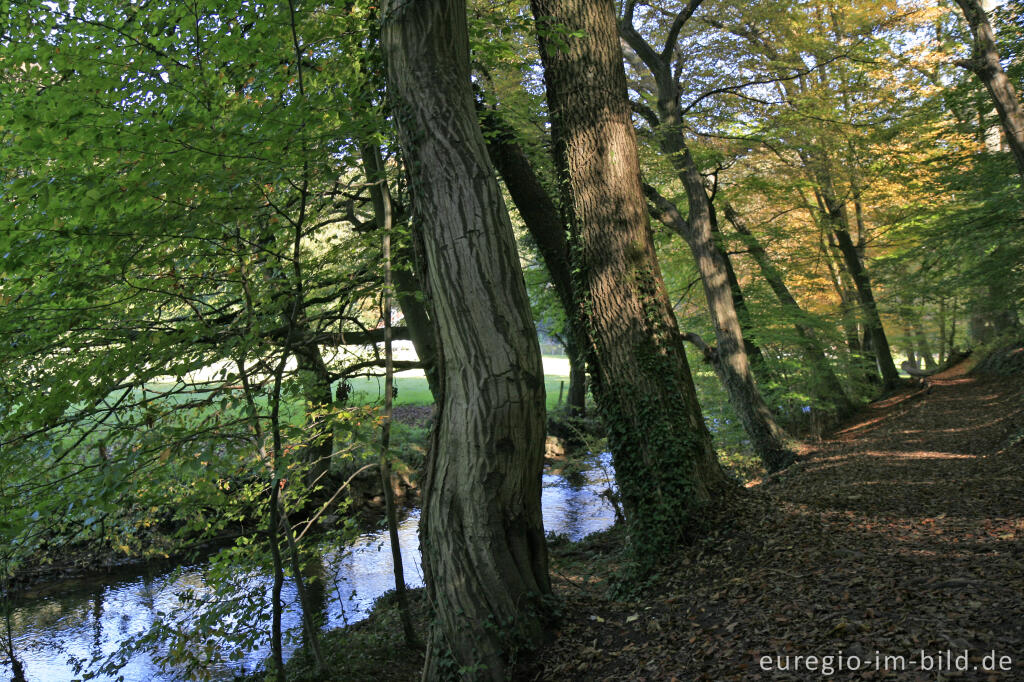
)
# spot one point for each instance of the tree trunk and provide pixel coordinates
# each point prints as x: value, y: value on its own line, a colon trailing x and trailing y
x: 482, y: 535
x: 908, y: 335
x: 410, y: 297
x: 408, y: 288
x: 847, y: 300
x: 545, y: 223
x: 924, y: 350
x: 766, y: 437
x: 813, y: 354
x: 985, y: 64
x: 835, y: 214
x: 942, y: 330
x: 664, y: 461
x: 754, y: 353
x: 316, y: 381
x: 577, y: 398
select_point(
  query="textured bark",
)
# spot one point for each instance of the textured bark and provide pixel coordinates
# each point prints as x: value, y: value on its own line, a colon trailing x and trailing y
x: 813, y: 354
x: 665, y: 464
x: 985, y: 64
x: 545, y: 223
x: 766, y: 437
x: 482, y: 535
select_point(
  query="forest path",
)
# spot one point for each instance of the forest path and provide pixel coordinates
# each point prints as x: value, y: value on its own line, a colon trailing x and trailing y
x: 900, y: 533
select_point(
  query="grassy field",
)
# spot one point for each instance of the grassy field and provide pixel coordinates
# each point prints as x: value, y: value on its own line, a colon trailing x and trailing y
x: 412, y: 385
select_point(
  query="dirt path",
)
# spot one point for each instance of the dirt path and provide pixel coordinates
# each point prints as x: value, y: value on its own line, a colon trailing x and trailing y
x: 902, y: 533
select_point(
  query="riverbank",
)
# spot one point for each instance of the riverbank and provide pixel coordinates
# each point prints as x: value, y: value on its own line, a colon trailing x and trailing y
x: 160, y: 543
x: 155, y: 624
x: 901, y: 533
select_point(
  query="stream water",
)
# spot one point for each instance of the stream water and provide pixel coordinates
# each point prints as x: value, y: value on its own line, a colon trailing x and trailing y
x: 92, y: 619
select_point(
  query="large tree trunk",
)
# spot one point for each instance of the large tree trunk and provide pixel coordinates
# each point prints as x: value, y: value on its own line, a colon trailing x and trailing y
x: 985, y: 64
x: 482, y: 535
x: 665, y: 463
x: 766, y: 437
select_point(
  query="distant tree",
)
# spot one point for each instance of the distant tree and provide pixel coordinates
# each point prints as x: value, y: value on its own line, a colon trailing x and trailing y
x: 700, y: 230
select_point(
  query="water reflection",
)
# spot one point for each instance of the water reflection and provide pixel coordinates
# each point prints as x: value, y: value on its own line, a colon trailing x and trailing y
x: 90, y: 620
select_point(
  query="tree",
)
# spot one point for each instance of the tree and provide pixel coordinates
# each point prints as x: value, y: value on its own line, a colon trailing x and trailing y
x: 827, y: 120
x: 833, y: 391
x: 484, y: 554
x: 699, y: 230
x: 176, y: 206
x: 985, y: 64
x: 664, y: 461
x: 544, y: 221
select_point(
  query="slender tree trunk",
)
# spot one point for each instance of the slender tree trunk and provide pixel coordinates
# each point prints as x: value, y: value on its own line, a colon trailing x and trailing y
x: 310, y: 627
x: 813, y: 354
x: 408, y: 288
x: 846, y: 302
x: 942, y: 330
x: 952, y: 326
x: 664, y: 461
x: 766, y: 437
x: 909, y: 340
x: 482, y: 535
x: 920, y: 339
x: 17, y: 668
x: 577, y: 398
x: 755, y: 355
x: 316, y: 381
x: 835, y: 214
x: 985, y: 64
x: 278, y: 572
x: 385, y: 446
x: 924, y: 350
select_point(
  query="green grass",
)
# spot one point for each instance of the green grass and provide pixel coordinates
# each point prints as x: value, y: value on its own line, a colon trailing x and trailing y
x: 413, y: 390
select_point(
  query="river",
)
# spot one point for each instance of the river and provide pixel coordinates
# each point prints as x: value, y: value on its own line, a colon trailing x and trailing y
x: 96, y: 617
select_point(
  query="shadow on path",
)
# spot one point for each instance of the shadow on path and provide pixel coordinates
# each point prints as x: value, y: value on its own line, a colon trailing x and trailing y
x: 901, y: 533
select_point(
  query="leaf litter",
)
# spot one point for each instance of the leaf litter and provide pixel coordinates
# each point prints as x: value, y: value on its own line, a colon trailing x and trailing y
x: 900, y: 533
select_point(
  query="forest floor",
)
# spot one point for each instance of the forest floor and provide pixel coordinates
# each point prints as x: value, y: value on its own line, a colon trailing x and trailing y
x: 899, y: 535
x: 896, y: 542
